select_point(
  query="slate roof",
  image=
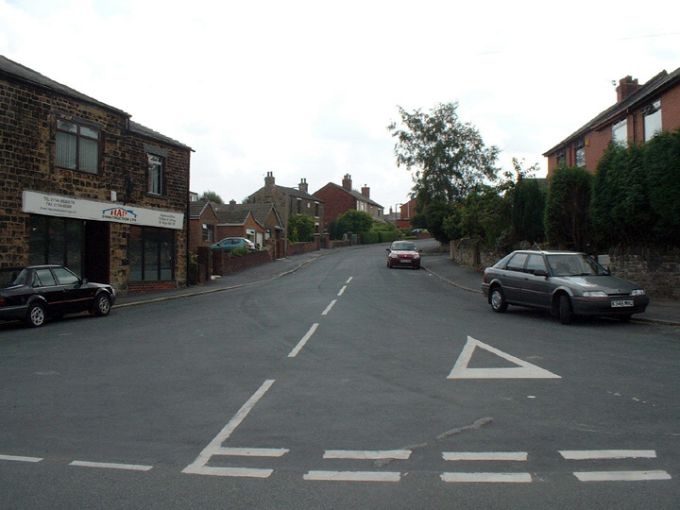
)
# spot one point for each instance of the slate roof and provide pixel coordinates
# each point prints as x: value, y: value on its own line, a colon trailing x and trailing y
x: 13, y: 70
x: 647, y: 92
x: 196, y: 208
x: 232, y: 214
x: 294, y: 192
x: 356, y: 195
x: 261, y: 211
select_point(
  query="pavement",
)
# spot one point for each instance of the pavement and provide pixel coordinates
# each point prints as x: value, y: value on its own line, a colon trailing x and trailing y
x: 660, y: 311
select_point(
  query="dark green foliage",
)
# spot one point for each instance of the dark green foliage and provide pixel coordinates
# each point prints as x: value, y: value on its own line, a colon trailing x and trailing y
x: 381, y: 232
x: 435, y: 213
x: 300, y: 228
x: 661, y: 163
x: 211, y: 196
x: 354, y: 221
x: 567, y: 210
x: 449, y: 156
x: 528, y: 206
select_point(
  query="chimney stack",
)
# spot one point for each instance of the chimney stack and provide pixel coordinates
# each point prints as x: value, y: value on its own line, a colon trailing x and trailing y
x: 347, y: 182
x: 627, y: 86
x: 269, y: 181
x: 366, y: 191
x: 303, y: 186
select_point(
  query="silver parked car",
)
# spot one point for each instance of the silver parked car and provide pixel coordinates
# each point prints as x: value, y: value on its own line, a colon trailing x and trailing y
x: 565, y: 283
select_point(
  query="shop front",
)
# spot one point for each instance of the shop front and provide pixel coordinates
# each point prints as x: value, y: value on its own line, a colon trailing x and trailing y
x: 107, y: 242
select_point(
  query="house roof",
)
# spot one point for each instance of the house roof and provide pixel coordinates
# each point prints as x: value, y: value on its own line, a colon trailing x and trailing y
x: 261, y: 211
x: 355, y: 194
x: 649, y: 91
x: 19, y: 72
x: 294, y: 192
x: 196, y: 208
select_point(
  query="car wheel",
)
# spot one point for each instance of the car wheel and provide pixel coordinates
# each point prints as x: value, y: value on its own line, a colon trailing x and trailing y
x: 102, y: 305
x: 566, y: 314
x: 498, y: 302
x: 36, y: 316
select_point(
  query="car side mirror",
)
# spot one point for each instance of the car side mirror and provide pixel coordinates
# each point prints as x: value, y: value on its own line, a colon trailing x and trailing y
x: 83, y: 281
x: 387, y: 250
x: 541, y: 272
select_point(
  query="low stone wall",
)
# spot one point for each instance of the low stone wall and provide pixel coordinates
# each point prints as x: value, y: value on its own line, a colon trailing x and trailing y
x: 226, y: 263
x: 656, y: 271
x: 339, y: 244
x: 468, y: 252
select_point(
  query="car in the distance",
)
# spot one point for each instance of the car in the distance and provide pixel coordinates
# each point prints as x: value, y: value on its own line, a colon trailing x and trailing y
x: 403, y: 254
x: 565, y: 283
x: 233, y: 243
x: 34, y: 293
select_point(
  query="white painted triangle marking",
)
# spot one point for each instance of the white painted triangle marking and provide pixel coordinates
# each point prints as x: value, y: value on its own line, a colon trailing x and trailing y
x: 523, y: 370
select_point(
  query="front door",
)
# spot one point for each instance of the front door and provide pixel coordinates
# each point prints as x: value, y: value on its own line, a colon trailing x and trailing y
x: 96, y: 252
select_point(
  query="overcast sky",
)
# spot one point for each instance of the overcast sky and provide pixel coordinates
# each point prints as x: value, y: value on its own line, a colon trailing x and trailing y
x: 306, y: 89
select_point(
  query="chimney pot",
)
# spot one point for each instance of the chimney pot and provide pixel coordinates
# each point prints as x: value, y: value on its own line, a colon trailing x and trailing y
x: 627, y: 86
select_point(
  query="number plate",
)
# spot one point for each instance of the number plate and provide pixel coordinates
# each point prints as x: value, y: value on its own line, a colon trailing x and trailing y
x: 405, y: 261
x: 622, y: 303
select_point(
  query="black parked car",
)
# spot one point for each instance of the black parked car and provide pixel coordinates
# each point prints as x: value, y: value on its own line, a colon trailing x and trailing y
x: 33, y: 293
x: 565, y: 283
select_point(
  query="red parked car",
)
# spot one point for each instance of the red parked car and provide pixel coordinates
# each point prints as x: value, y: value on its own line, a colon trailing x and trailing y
x: 403, y: 254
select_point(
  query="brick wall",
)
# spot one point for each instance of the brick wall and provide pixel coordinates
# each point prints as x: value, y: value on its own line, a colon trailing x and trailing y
x: 336, y: 201
x: 225, y: 263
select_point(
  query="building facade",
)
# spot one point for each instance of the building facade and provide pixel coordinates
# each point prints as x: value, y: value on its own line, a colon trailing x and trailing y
x: 85, y: 186
x: 202, y: 224
x: 340, y: 199
x: 639, y: 113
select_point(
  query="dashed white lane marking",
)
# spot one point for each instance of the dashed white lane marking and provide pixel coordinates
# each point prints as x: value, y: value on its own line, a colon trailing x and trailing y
x: 368, y: 454
x: 328, y: 308
x: 621, y: 476
x: 110, y: 465
x: 234, y: 472
x: 342, y: 291
x: 607, y: 454
x: 353, y: 476
x: 19, y: 458
x: 486, y: 456
x: 349, y: 279
x: 303, y: 341
x: 199, y: 466
x: 253, y: 452
x: 486, y: 477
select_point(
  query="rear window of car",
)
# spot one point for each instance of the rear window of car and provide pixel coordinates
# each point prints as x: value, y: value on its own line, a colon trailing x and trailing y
x: 403, y: 246
x: 10, y: 277
x: 516, y: 263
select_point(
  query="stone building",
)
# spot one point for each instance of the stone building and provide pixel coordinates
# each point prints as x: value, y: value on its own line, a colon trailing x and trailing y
x: 85, y: 186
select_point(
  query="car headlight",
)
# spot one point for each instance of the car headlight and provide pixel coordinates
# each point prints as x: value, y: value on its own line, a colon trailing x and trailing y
x: 594, y: 293
x: 637, y: 292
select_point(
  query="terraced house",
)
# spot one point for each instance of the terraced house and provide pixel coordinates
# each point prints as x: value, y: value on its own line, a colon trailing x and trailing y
x: 85, y: 186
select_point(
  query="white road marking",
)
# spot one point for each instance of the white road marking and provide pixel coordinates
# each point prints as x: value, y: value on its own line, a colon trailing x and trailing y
x: 110, y: 465
x: 491, y: 456
x: 607, y: 454
x: 342, y: 291
x: 524, y: 369
x: 349, y: 279
x: 353, y: 476
x: 18, y: 458
x: 199, y: 466
x: 235, y: 472
x: 253, y: 452
x: 486, y: 477
x: 303, y: 341
x: 328, y: 308
x: 621, y: 476
x: 367, y: 454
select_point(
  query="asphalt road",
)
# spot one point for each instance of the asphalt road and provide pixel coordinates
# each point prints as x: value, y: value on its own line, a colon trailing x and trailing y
x: 342, y: 385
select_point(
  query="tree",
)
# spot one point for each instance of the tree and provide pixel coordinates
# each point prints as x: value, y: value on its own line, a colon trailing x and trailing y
x: 211, y: 196
x: 528, y: 206
x: 300, y: 228
x: 354, y: 221
x: 567, y: 210
x: 435, y: 213
x: 449, y: 156
x: 661, y: 162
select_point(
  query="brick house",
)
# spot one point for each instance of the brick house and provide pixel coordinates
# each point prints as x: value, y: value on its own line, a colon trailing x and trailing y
x: 290, y: 201
x: 339, y: 199
x: 236, y: 220
x: 85, y: 186
x: 640, y: 112
x: 202, y: 224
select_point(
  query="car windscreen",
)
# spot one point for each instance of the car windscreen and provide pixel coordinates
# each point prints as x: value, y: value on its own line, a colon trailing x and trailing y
x: 404, y: 246
x: 574, y: 264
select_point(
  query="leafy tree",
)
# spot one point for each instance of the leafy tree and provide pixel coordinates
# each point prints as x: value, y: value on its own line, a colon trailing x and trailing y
x: 485, y: 214
x: 449, y: 156
x: 528, y: 207
x: 567, y: 210
x: 354, y: 221
x: 211, y: 196
x: 300, y: 228
x: 435, y: 213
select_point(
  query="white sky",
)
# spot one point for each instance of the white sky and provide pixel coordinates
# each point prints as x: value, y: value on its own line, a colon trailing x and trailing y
x: 307, y: 88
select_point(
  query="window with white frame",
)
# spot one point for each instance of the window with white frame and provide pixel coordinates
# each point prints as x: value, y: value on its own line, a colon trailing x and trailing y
x: 620, y: 132
x: 155, y: 174
x: 580, y: 153
x: 652, y: 120
x: 77, y: 147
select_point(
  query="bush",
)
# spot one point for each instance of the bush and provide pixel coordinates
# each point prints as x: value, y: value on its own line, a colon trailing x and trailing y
x: 661, y: 163
x: 300, y: 228
x: 567, y: 211
x: 528, y: 207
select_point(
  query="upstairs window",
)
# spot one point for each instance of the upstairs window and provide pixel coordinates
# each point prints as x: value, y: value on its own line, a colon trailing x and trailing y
x: 652, y: 120
x: 620, y: 132
x: 580, y: 153
x: 561, y: 158
x: 77, y: 147
x: 155, y: 174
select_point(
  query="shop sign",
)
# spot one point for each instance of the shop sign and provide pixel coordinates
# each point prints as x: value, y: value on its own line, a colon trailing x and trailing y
x: 69, y: 207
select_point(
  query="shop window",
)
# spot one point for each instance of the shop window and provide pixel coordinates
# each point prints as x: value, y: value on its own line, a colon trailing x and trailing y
x: 156, y: 176
x: 151, y: 252
x: 57, y: 241
x: 652, y: 120
x: 77, y: 147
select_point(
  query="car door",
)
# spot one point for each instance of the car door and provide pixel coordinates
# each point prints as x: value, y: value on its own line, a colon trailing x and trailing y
x: 45, y: 285
x: 76, y: 297
x: 512, y: 279
x: 536, y: 287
